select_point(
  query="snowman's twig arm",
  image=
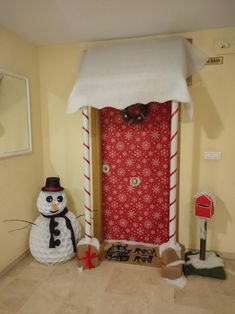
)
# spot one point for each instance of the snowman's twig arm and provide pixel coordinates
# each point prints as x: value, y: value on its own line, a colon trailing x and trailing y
x: 20, y: 228
x: 80, y: 216
x: 84, y: 214
x: 29, y: 222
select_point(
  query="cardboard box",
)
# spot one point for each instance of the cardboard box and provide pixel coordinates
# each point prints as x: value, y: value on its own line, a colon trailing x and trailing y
x: 169, y: 256
x: 171, y: 272
x: 182, y: 251
x: 87, y: 256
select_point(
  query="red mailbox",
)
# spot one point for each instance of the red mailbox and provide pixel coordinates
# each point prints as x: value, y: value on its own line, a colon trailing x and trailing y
x: 204, y: 205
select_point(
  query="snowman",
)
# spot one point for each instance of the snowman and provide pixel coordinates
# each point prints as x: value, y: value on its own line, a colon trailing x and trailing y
x: 55, y: 233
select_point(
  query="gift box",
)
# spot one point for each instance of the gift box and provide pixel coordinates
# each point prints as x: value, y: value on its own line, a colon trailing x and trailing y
x: 87, y: 256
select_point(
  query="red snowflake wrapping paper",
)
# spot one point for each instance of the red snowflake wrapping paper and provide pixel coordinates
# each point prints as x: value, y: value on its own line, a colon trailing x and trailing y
x: 136, y: 213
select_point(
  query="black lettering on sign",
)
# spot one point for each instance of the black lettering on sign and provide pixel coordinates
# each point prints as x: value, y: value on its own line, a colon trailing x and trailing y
x: 145, y: 255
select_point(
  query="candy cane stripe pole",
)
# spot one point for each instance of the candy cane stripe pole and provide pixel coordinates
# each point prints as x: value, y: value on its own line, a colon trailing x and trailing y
x: 173, y: 171
x: 86, y: 157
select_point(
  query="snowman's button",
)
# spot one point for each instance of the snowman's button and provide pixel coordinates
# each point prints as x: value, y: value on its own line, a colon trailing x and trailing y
x: 55, y: 224
x: 56, y: 232
x: 57, y: 242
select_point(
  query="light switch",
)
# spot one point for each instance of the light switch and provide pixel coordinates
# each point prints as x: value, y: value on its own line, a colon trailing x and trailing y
x: 212, y: 155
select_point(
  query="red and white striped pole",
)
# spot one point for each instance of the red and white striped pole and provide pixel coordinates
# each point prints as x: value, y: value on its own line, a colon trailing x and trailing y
x: 173, y: 171
x: 88, y: 240
x: 86, y: 157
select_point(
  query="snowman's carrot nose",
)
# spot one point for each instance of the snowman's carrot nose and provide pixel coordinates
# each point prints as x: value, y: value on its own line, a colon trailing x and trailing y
x: 53, y: 205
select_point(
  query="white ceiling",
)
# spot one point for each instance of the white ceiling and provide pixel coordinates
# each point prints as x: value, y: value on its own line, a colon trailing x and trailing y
x: 68, y: 21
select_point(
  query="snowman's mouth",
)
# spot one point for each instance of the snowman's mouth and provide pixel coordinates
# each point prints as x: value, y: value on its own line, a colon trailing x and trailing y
x: 54, y: 211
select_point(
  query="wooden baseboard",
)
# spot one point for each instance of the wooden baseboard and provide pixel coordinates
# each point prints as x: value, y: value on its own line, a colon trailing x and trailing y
x: 227, y: 255
x: 13, y: 263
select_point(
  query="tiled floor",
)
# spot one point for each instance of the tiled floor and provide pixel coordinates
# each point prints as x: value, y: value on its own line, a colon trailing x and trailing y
x: 111, y: 288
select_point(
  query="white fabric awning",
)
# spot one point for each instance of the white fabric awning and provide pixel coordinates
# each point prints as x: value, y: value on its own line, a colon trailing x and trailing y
x: 121, y: 74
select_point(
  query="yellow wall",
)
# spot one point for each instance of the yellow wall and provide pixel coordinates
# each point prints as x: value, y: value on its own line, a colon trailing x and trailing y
x: 62, y: 138
x: 212, y: 129
x: 20, y: 176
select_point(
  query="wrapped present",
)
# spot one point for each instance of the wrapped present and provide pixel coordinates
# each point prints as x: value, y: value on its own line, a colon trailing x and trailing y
x: 87, y: 256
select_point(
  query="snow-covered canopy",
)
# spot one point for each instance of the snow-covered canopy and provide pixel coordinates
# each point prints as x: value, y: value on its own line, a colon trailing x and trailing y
x: 121, y: 74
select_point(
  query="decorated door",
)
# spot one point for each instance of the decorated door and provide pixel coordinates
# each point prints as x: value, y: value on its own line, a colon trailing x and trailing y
x: 135, y: 177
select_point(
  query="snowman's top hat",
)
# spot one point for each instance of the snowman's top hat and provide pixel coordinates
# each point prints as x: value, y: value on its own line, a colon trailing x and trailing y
x: 52, y: 185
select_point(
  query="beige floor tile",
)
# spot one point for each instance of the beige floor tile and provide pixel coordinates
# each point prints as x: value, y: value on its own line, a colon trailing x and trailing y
x: 21, y: 266
x: 123, y: 282
x: 16, y: 293
x: 86, y: 292
x: 4, y: 282
x: 229, y: 265
x: 111, y: 303
x: 223, y: 304
x: 33, y: 270
x: 155, y: 295
x: 87, y: 287
x: 128, y: 280
x: 55, y: 283
x: 177, y: 309
x: 67, y: 308
x: 34, y: 288
x: 149, y: 275
x: 101, y: 274
x: 195, y: 294
x: 224, y: 287
x: 44, y: 300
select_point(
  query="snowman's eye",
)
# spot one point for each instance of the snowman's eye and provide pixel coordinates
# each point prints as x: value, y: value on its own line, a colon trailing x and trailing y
x: 60, y: 198
x: 49, y: 199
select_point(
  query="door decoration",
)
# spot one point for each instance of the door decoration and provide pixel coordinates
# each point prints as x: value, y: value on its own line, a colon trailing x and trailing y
x: 135, y: 114
x: 132, y: 254
x: 136, y: 212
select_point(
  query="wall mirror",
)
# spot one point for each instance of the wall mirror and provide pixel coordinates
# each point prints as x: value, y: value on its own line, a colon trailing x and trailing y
x: 15, y: 129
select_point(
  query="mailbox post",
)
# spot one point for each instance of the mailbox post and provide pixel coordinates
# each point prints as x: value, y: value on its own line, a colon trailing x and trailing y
x: 204, y: 209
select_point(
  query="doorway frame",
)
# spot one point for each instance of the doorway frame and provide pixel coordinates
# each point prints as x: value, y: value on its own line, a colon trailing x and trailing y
x: 96, y: 172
